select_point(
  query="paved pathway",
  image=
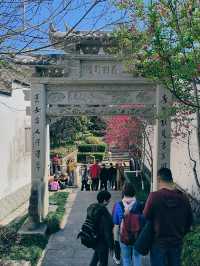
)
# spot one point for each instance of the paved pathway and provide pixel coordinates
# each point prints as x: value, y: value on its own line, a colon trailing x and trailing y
x: 63, y: 248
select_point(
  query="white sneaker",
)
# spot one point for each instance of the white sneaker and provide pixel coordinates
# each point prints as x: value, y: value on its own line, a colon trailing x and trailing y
x: 116, y: 260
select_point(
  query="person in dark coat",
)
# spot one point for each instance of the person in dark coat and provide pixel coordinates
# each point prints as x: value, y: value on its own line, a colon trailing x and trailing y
x: 84, y: 179
x: 105, y: 241
x: 170, y: 212
x: 112, y: 176
x: 103, y: 177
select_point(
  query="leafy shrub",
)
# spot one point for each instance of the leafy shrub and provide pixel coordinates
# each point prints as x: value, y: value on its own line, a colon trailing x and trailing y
x: 8, y: 236
x: 53, y: 219
x: 29, y: 248
x: 16, y: 247
x: 191, y: 248
x: 92, y: 148
x: 81, y: 156
x: 141, y: 194
x: 93, y: 140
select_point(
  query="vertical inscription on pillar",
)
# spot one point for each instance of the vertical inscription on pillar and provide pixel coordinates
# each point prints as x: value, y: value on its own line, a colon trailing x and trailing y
x: 36, y: 133
x: 162, y: 133
x: 38, y: 162
x: 164, y: 127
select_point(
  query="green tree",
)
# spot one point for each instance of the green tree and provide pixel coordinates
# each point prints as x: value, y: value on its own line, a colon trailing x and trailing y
x: 161, y: 42
x: 97, y: 126
x: 71, y: 129
x: 68, y: 129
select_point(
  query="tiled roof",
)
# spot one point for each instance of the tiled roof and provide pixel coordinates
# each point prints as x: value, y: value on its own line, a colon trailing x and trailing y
x: 10, y: 71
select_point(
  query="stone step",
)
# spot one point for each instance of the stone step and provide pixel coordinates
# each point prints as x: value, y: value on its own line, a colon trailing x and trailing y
x: 119, y: 155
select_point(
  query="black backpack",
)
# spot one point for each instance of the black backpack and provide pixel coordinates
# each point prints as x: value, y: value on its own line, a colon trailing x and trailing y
x: 89, y: 230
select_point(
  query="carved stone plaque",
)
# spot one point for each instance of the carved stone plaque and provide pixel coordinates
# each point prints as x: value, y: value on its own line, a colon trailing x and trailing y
x: 102, y: 68
x: 144, y: 112
x: 92, y: 97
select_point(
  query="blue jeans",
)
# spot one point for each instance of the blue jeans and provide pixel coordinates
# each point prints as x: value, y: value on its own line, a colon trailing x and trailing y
x: 166, y: 256
x: 130, y: 256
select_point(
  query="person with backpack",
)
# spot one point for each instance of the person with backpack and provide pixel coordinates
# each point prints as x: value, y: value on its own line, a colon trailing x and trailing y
x: 116, y: 255
x: 128, y: 221
x: 97, y: 230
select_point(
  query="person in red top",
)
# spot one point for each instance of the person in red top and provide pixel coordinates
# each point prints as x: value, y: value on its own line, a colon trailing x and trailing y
x: 170, y: 212
x: 95, y: 171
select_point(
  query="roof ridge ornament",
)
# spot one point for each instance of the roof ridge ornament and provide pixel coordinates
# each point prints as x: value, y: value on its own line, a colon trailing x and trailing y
x: 76, y: 42
x: 51, y: 27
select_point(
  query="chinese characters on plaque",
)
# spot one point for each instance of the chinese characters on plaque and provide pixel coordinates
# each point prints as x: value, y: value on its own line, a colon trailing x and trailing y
x: 36, y: 134
x: 164, y: 151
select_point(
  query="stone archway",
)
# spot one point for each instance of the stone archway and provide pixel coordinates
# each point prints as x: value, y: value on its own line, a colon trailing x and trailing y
x: 73, y: 85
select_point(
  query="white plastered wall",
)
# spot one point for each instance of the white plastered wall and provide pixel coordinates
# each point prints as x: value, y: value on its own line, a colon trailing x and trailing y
x: 181, y: 164
x: 15, y: 170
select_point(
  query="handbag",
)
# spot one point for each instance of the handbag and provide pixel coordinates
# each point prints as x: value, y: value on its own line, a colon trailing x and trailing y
x: 145, y: 239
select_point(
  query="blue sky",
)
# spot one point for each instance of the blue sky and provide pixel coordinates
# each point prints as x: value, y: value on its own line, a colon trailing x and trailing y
x: 60, y: 13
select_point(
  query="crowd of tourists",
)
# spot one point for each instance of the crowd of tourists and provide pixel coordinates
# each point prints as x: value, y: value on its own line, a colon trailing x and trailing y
x: 96, y: 176
x: 133, y: 230
x: 62, y: 174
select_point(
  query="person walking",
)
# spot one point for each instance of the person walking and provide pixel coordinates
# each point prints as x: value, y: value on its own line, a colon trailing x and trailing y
x: 119, y: 180
x: 56, y: 164
x: 104, y: 230
x: 129, y: 203
x: 111, y: 176
x: 71, y: 168
x: 103, y: 177
x: 95, y: 171
x: 132, y: 164
x: 84, y: 176
x: 170, y: 212
x: 120, y: 176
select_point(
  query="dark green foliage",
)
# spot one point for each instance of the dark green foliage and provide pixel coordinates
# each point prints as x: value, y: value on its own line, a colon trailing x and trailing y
x: 71, y: 129
x: 141, y: 194
x: 16, y: 247
x: 8, y: 236
x: 53, y: 221
x: 97, y: 126
x: 54, y: 218
x: 30, y: 248
x: 92, y: 148
x: 191, y: 248
x: 82, y: 156
x: 68, y: 129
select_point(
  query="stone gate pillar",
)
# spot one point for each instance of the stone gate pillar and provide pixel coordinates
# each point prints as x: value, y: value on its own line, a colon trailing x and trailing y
x: 38, y: 207
x: 162, y: 131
